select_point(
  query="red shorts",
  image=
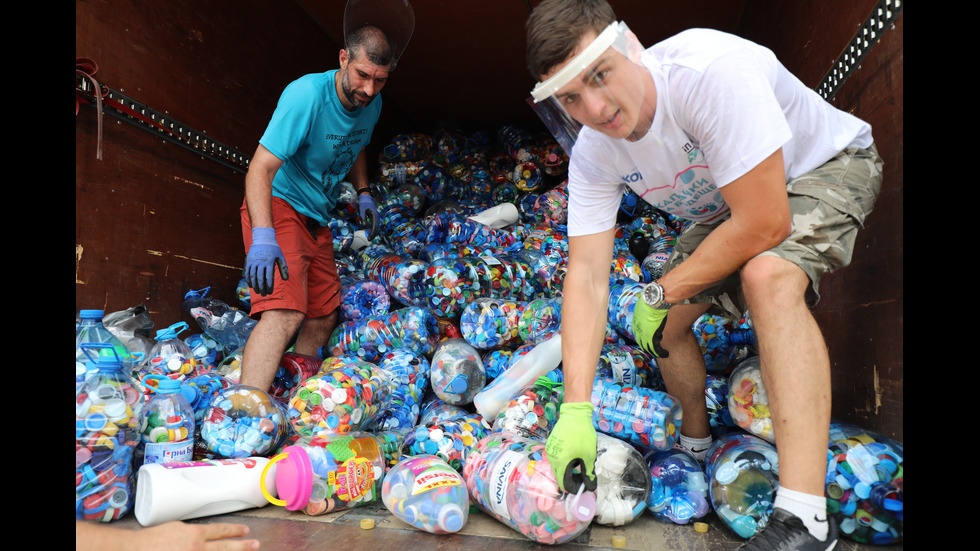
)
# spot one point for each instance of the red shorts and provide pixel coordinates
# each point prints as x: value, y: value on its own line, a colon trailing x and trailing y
x: 313, y: 286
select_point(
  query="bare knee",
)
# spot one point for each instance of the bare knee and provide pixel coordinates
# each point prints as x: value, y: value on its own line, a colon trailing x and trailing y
x: 286, y: 321
x: 773, y: 281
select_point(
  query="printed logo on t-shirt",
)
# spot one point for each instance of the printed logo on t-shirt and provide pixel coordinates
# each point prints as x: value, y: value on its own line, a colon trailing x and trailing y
x: 690, y: 194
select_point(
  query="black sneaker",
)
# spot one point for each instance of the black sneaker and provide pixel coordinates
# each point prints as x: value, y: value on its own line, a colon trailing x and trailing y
x: 786, y: 532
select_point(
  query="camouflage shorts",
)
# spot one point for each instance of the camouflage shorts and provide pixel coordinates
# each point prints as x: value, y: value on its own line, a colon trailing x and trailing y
x: 828, y: 206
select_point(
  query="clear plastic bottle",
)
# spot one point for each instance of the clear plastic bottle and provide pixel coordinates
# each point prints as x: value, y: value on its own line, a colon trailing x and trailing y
x: 108, y: 407
x: 167, y: 423
x: 323, y: 474
x: 170, y: 356
x: 743, y: 472
x: 509, y: 478
x: 623, y: 482
x: 427, y: 493
x: 647, y: 418
x: 90, y: 329
x: 345, y: 396
x: 680, y: 487
x: 518, y: 377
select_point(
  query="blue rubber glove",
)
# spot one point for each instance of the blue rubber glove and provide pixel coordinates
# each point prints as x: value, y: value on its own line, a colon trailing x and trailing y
x: 263, y: 257
x: 368, y: 213
x: 648, y: 328
x: 571, y: 447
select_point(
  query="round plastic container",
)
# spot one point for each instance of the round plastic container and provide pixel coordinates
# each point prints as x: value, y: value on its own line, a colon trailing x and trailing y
x: 450, y: 439
x: 865, y: 484
x: 243, y: 421
x: 370, y: 338
x: 428, y: 494
x: 170, y: 356
x: 91, y: 330
x: 679, y: 492
x: 491, y: 323
x: 623, y: 482
x: 410, y: 375
x: 323, y: 474
x: 108, y: 407
x: 293, y: 369
x: 748, y: 402
x: 341, y: 399
x: 532, y: 413
x: 509, y: 478
x: 167, y: 422
x: 647, y: 418
x: 457, y: 372
x: 743, y: 473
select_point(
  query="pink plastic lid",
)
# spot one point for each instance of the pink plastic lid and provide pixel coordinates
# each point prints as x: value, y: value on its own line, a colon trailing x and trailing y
x: 582, y: 507
x: 294, y: 478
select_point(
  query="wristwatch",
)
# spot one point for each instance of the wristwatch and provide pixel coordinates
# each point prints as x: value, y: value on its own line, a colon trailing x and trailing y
x: 653, y: 295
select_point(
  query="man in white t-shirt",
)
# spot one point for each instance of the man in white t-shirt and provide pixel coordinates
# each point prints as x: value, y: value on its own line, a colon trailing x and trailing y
x: 712, y: 128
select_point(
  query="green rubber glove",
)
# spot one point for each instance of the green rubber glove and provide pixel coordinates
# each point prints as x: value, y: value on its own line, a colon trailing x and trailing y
x: 571, y: 447
x: 648, y: 328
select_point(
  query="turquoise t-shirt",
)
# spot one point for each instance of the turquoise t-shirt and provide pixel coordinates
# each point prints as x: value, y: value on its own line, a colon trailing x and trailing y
x: 318, y: 141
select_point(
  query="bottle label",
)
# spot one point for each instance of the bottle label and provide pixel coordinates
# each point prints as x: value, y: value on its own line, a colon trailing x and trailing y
x: 499, y: 482
x: 430, y: 474
x: 623, y: 367
x: 247, y: 462
x: 353, y: 479
x: 168, y: 452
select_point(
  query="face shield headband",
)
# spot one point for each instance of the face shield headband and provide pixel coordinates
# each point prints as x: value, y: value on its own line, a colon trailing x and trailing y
x: 616, y: 35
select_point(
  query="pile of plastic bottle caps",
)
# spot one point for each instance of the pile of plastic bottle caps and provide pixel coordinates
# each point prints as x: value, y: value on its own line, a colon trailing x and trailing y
x: 440, y: 385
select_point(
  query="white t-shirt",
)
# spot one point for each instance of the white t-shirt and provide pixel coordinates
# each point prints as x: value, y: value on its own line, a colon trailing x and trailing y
x: 724, y: 105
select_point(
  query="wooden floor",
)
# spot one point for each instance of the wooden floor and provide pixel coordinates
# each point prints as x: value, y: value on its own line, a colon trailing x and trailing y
x: 277, y: 528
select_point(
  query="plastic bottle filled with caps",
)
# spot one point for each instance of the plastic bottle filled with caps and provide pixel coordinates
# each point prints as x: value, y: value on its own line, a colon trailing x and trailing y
x: 492, y: 323
x: 324, y: 474
x: 509, y: 478
x: 372, y: 337
x: 360, y: 298
x: 90, y: 329
x: 346, y: 395
x: 451, y: 439
x: 679, y: 491
x: 410, y: 375
x: 457, y: 373
x: 649, y: 419
x: 623, y: 482
x: 866, y: 484
x: 108, y: 407
x: 244, y: 421
x: 169, y: 355
x: 723, y: 344
x: 748, y: 401
x: 743, y: 473
x: 167, y: 422
x: 534, y: 412
x: 427, y: 493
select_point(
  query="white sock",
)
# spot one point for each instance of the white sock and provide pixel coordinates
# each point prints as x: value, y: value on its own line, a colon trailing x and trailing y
x: 811, y: 509
x: 697, y: 446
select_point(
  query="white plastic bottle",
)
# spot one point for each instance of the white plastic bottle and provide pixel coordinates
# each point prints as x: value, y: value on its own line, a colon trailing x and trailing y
x: 518, y: 377
x: 192, y: 489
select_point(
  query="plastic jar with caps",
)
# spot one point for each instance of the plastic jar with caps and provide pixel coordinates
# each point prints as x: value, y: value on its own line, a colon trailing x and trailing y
x: 90, y: 329
x: 865, y: 484
x: 457, y: 373
x: 679, y: 491
x: 323, y: 474
x: 534, y: 412
x: 370, y: 338
x: 450, y: 439
x: 623, y: 482
x: 293, y: 369
x: 244, y: 421
x: 169, y: 355
x: 509, y: 478
x: 647, y: 418
x: 748, y: 401
x: 346, y: 395
x: 540, y: 320
x: 723, y: 343
x: 492, y: 323
x: 743, y: 473
x: 427, y: 493
x: 410, y: 376
x: 167, y: 422
x: 108, y: 406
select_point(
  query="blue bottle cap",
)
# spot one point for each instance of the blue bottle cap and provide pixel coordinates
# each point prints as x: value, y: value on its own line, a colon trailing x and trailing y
x: 91, y: 314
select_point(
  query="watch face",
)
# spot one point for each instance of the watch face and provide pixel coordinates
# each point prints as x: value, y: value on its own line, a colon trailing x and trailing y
x: 653, y: 294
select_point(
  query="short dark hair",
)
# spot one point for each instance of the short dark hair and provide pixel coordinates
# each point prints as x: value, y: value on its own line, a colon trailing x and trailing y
x: 373, y: 42
x: 556, y: 26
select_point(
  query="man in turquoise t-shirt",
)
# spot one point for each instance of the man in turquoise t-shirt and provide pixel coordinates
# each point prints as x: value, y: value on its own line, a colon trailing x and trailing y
x: 315, y: 140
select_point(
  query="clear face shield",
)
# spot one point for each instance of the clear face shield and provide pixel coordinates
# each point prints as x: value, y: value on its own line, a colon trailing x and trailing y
x: 602, y: 86
x: 395, y: 17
